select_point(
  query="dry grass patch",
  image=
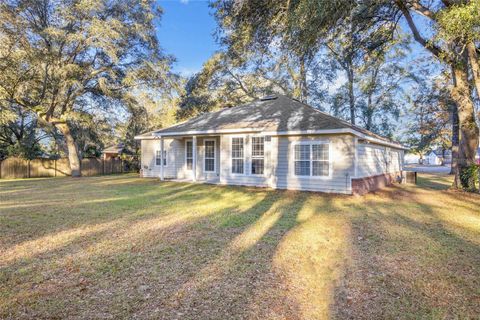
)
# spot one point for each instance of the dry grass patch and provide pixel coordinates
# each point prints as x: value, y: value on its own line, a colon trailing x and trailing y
x: 123, y: 247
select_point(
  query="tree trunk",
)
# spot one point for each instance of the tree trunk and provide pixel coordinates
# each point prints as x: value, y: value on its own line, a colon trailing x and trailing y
x: 468, y: 128
x: 455, y: 145
x: 474, y: 64
x: 369, y: 111
x: 72, y: 148
x: 303, y: 80
x: 351, y: 95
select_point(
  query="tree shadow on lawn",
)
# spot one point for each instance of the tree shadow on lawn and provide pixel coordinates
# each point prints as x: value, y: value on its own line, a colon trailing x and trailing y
x: 184, y: 251
x: 55, y: 282
x: 49, y: 214
x: 409, y: 261
x: 434, y: 181
x: 277, y: 260
x: 63, y: 238
x: 252, y: 253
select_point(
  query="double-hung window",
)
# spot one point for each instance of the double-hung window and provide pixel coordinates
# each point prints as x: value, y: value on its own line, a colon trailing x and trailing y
x: 258, y: 155
x: 158, y: 157
x: 209, y: 155
x: 237, y: 156
x: 302, y: 160
x: 189, y: 154
x: 312, y: 159
x: 320, y: 160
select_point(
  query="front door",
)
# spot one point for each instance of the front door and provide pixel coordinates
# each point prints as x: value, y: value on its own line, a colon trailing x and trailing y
x: 189, y: 158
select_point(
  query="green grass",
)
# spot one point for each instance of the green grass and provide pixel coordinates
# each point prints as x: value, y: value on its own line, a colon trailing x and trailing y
x: 123, y: 247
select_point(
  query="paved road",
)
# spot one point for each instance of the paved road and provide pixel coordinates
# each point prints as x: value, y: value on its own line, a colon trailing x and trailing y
x: 428, y: 169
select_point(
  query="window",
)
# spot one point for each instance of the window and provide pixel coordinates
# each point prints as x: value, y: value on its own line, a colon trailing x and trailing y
x: 257, y: 155
x: 312, y: 159
x: 209, y: 155
x: 302, y: 160
x: 189, y: 154
x: 158, y: 159
x: 320, y: 160
x: 237, y: 156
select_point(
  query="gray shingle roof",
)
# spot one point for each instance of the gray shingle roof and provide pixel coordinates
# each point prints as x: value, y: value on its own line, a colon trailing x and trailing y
x: 114, y: 149
x: 280, y: 114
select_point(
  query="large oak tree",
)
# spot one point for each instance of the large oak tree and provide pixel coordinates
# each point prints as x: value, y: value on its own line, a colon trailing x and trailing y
x: 58, y: 56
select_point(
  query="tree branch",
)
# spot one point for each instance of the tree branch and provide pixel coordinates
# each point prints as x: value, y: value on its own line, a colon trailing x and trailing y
x: 240, y: 83
x: 416, y: 34
x: 421, y: 9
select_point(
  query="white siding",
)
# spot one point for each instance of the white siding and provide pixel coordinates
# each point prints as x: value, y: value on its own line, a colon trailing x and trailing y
x: 341, y: 164
x: 149, y: 148
x: 226, y: 175
x: 279, y: 163
x: 278, y: 171
x: 395, y: 161
x: 376, y: 160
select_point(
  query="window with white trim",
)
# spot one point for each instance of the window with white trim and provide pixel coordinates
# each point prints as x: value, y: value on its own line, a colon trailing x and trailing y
x: 320, y: 160
x: 312, y: 159
x: 189, y: 154
x: 237, y: 156
x: 302, y: 160
x: 158, y: 158
x: 209, y: 155
x: 258, y: 155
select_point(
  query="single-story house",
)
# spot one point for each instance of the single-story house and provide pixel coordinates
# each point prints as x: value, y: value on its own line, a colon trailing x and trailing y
x: 112, y: 152
x: 433, y: 159
x: 439, y: 157
x: 275, y: 142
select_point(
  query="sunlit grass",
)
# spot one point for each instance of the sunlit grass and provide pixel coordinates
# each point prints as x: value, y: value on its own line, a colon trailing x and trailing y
x: 124, y: 247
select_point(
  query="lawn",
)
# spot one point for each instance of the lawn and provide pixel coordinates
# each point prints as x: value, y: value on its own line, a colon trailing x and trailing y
x: 122, y: 247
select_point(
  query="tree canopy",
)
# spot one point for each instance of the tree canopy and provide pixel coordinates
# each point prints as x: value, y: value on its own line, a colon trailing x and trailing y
x: 59, y: 58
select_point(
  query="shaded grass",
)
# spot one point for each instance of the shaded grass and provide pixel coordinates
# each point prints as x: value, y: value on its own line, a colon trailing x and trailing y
x: 123, y: 247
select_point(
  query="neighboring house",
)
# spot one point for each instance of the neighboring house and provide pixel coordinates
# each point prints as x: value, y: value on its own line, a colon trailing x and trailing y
x: 274, y: 142
x: 433, y: 159
x: 439, y: 157
x: 112, y: 151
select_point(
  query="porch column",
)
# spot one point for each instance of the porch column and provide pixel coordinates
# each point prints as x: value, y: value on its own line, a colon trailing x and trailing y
x: 194, y: 158
x: 161, y: 159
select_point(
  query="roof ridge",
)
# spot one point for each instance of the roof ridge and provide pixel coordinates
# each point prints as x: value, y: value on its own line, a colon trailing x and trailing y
x: 324, y: 113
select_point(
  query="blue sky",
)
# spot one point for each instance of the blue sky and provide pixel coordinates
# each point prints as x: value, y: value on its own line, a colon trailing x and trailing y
x: 186, y: 32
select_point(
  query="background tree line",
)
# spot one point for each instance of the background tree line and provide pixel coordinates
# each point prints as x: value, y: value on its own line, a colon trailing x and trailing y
x: 83, y: 74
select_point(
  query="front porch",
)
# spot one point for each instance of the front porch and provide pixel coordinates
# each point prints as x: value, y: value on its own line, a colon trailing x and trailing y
x: 189, y: 158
